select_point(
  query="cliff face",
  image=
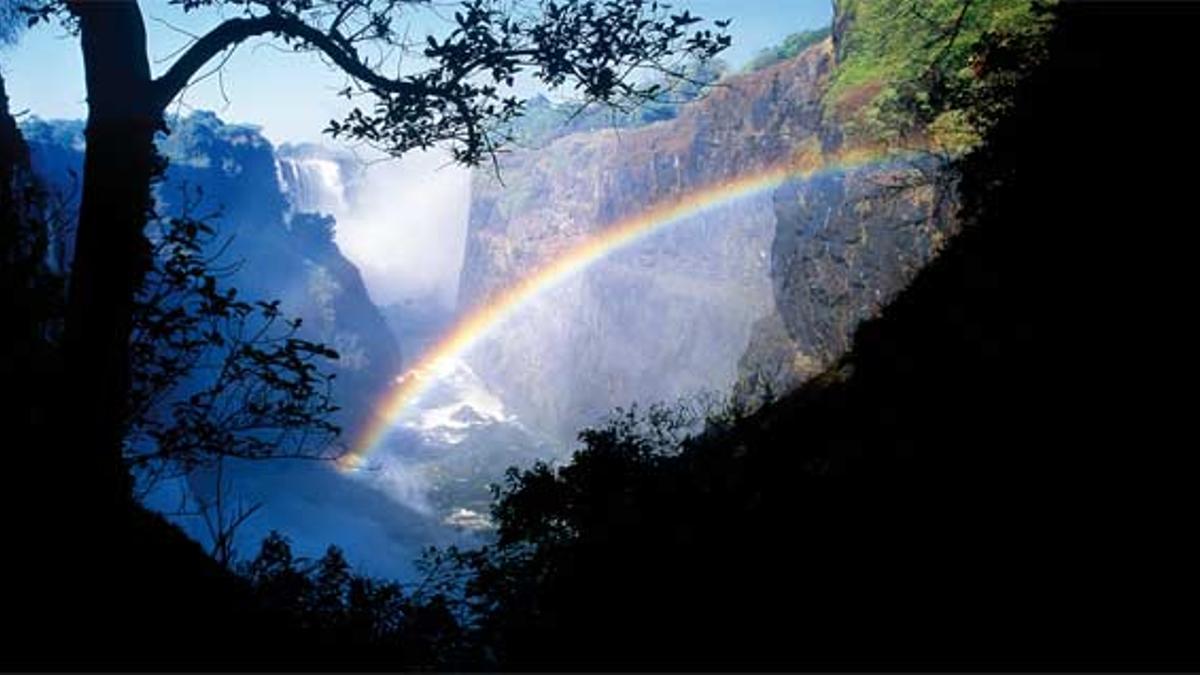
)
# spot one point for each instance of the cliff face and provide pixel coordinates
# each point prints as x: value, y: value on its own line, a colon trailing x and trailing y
x: 845, y: 244
x: 228, y: 175
x: 286, y: 252
x: 661, y: 319
x: 761, y: 292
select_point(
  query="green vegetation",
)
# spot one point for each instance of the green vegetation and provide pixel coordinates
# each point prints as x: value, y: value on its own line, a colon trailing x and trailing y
x: 974, y: 483
x: 913, y: 69
x: 932, y: 72
x: 791, y: 47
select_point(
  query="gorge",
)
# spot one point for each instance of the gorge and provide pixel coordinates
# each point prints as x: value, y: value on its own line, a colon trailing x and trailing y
x: 750, y: 295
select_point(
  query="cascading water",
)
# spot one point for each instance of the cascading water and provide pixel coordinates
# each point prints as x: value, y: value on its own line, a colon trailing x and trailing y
x: 402, y: 222
x: 314, y: 179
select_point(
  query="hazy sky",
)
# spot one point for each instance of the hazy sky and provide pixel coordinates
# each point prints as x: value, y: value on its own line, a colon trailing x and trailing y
x: 291, y: 95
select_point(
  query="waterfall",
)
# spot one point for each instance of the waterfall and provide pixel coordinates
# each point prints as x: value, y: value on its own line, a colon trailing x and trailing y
x: 313, y: 182
x: 402, y: 222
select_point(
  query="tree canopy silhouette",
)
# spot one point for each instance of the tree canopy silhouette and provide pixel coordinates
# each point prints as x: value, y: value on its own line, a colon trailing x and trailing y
x: 966, y: 486
x: 461, y: 97
x: 215, y: 374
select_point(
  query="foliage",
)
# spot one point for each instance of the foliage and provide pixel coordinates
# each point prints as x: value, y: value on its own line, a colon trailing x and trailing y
x: 461, y: 97
x: 331, y: 603
x: 464, y: 97
x: 555, y: 523
x: 202, y: 139
x: 190, y: 328
x: 592, y: 45
x: 542, y: 121
x: 967, y: 486
x: 215, y: 375
x: 791, y: 47
x: 923, y: 498
x: 908, y: 69
x: 31, y: 294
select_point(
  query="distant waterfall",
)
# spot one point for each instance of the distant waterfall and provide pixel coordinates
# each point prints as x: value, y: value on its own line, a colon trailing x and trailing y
x: 314, y: 183
x: 402, y: 222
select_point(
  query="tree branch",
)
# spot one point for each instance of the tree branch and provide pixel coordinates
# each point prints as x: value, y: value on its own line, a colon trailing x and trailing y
x: 235, y: 31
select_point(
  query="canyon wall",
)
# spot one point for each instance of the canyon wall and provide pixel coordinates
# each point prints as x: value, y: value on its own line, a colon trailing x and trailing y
x: 229, y: 176
x: 668, y: 316
x: 754, y: 294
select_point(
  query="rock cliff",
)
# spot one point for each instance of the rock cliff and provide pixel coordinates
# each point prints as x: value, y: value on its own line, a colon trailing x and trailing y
x: 762, y: 291
x: 228, y: 174
x: 662, y: 319
x: 845, y: 244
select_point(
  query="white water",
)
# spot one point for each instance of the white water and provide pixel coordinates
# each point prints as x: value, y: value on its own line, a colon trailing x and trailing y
x: 403, y: 222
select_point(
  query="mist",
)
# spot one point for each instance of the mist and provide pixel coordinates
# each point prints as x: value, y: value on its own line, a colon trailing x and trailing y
x: 404, y: 225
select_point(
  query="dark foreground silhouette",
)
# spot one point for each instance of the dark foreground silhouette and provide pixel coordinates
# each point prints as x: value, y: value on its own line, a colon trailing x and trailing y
x: 999, y: 474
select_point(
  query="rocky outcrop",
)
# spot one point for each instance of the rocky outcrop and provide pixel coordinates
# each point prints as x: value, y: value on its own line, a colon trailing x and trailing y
x: 664, y: 318
x: 227, y: 174
x: 286, y: 252
x: 845, y: 244
x: 762, y: 292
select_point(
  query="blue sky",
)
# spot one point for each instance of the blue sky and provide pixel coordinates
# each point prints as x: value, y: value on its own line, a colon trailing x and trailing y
x: 413, y: 252
x: 291, y: 96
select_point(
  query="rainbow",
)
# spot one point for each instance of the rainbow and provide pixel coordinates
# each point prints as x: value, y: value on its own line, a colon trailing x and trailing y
x: 471, y: 328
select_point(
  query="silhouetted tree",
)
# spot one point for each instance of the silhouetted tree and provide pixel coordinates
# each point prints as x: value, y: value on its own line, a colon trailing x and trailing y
x: 352, y: 617
x: 221, y: 519
x: 459, y: 99
x: 214, y: 375
x: 31, y: 294
x: 966, y: 485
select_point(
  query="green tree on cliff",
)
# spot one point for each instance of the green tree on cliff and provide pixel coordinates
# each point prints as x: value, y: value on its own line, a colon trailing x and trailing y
x: 912, y: 70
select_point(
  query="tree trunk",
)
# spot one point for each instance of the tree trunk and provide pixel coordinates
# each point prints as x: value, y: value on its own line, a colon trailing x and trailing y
x: 111, y: 252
